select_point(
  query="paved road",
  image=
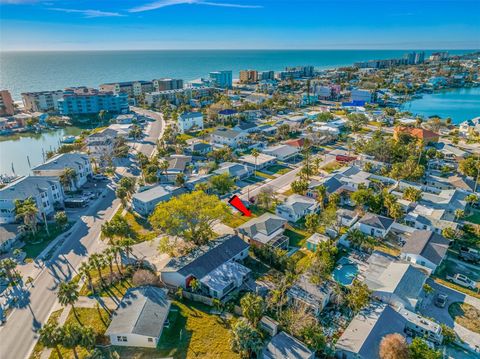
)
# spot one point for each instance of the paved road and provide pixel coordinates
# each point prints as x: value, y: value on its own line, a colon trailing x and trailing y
x: 155, y: 129
x: 429, y: 309
x: 18, y: 335
x: 277, y: 183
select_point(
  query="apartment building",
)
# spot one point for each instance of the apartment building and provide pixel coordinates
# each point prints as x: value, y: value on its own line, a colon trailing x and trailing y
x: 222, y: 79
x: 44, y: 101
x: 46, y: 191
x: 6, y: 104
x: 83, y: 100
x: 248, y: 76
x: 165, y: 84
x: 131, y: 88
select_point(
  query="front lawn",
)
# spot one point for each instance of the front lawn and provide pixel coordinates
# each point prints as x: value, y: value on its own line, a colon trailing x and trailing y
x: 466, y: 315
x: 195, y: 333
x: 140, y: 226
x: 116, y: 287
x: 263, y: 175
x: 474, y: 218
x: 97, y: 319
x: 297, y: 236
x: 35, y: 244
x: 38, y: 349
x: 277, y: 169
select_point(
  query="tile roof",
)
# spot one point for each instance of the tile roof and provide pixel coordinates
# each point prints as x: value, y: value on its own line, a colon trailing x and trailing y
x: 376, y: 221
x: 428, y: 244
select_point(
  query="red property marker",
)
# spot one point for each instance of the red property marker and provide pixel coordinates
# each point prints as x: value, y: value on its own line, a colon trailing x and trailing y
x: 238, y: 204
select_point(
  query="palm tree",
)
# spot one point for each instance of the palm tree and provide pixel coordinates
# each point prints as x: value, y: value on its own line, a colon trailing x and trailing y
x: 126, y: 245
x: 116, y: 251
x: 255, y: 155
x: 68, y: 177
x: 88, y: 338
x: 8, y: 266
x: 459, y: 214
x: 68, y: 294
x: 51, y: 335
x: 321, y: 195
x: 27, y: 211
x: 84, y: 271
x: 164, y: 166
x: 109, y: 256
x: 97, y: 262
x: 72, y: 336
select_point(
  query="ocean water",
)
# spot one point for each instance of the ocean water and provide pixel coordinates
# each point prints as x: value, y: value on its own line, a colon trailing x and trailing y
x: 458, y: 104
x: 38, y: 71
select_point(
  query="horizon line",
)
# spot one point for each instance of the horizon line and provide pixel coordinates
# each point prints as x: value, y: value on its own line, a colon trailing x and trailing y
x: 248, y: 49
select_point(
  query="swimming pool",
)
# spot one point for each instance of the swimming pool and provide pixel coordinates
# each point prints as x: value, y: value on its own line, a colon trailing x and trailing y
x: 345, y: 272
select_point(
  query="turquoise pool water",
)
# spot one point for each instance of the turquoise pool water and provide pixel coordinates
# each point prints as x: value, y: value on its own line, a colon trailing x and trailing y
x: 345, y: 272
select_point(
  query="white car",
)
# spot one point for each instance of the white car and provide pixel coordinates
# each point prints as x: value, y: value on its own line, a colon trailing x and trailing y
x: 463, y: 280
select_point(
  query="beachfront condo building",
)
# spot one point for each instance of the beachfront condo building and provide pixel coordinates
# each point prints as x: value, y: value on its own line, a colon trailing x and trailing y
x: 6, y: 104
x: 131, y: 88
x: 83, y: 100
x: 222, y: 79
x: 266, y: 75
x: 44, y: 101
x: 248, y: 76
x: 165, y: 84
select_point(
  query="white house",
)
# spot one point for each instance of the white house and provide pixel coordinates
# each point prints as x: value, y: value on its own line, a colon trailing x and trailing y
x: 46, y: 192
x: 144, y: 202
x: 281, y: 152
x: 139, y: 318
x: 425, y: 248
x: 374, y: 225
x: 55, y: 166
x: 188, y: 120
x: 227, y: 137
x: 215, y: 265
x: 296, y: 206
x: 265, y: 230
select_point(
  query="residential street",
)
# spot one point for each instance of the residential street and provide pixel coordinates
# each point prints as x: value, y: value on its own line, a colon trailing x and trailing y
x: 18, y: 335
x: 148, y: 144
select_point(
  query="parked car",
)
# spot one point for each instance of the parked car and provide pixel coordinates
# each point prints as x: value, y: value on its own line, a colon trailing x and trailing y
x: 100, y: 177
x: 462, y: 280
x: 469, y: 254
x: 441, y: 300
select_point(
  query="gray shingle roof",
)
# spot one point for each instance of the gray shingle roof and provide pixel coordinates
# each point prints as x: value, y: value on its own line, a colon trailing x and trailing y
x: 206, y: 258
x: 29, y: 186
x: 376, y: 221
x: 64, y: 160
x: 428, y: 244
x: 142, y: 311
x: 365, y: 332
x: 284, y: 346
x: 267, y: 224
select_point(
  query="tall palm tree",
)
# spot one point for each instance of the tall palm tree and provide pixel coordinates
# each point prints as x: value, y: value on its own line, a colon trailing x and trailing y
x: 27, y: 211
x: 72, y: 336
x: 51, y: 336
x: 97, y: 261
x: 164, y: 166
x: 68, y: 177
x: 126, y: 245
x: 321, y: 195
x: 84, y: 271
x: 68, y: 294
x: 109, y: 256
x: 88, y: 338
x: 116, y: 251
x: 255, y: 155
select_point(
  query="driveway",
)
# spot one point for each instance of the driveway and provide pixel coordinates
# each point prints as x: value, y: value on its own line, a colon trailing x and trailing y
x: 441, y: 315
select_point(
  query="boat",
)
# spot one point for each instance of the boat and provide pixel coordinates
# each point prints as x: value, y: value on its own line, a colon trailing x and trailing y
x: 68, y: 139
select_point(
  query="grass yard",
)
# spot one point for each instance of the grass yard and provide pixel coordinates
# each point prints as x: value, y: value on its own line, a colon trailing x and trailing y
x: 34, y: 245
x: 98, y: 319
x: 195, y: 333
x: 142, y: 228
x: 466, y: 315
x: 37, y: 350
x: 332, y: 166
x: 257, y: 267
x: 236, y: 219
x: 277, y: 169
x: 116, y: 289
x: 474, y: 218
x: 297, y: 236
x: 263, y: 175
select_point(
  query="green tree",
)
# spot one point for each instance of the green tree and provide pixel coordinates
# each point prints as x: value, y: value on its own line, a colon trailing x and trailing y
x: 222, y: 183
x: 27, y: 211
x: 118, y: 226
x: 358, y: 296
x: 68, y: 178
x: 84, y: 271
x: 312, y: 222
x: 356, y: 121
x: 299, y: 186
x: 469, y: 167
x: 312, y: 336
x: 255, y: 155
x: 97, y: 261
x: 61, y: 219
x: 321, y: 195
x: 68, y: 294
x: 51, y: 336
x: 190, y: 216
x: 72, y: 335
x: 412, y: 194
x: 323, y: 262
x: 253, y: 307
x: 325, y: 117
x: 459, y: 214
x: 246, y: 340
x: 419, y: 349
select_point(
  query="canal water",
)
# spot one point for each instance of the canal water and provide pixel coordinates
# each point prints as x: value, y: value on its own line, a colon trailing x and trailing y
x: 458, y: 104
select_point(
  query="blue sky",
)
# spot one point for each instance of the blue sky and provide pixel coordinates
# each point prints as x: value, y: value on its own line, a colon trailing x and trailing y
x: 239, y: 24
